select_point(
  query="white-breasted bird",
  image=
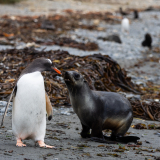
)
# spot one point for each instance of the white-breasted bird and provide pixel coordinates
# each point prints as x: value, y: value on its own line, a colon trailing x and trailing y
x: 30, y: 103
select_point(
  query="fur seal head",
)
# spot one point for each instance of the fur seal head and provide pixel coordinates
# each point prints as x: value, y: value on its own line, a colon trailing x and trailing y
x: 73, y: 78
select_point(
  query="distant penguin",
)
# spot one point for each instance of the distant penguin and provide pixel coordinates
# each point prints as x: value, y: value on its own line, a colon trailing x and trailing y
x: 30, y: 103
x: 125, y: 25
x: 122, y: 12
x: 136, y: 15
x: 147, y: 42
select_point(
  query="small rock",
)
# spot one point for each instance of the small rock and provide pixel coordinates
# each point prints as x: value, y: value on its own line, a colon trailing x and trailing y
x: 112, y: 38
x: 147, y: 42
x: 3, y: 104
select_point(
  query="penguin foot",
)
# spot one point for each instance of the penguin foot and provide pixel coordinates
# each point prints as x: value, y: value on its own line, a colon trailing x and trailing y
x: 20, y: 143
x: 43, y: 145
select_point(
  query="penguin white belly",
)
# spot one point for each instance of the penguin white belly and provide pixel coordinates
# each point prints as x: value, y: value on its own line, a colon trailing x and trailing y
x: 29, y: 108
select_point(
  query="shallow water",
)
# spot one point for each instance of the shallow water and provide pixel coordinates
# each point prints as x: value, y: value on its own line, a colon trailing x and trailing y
x: 131, y: 43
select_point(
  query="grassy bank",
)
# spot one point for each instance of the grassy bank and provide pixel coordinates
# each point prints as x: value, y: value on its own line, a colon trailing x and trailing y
x: 9, y: 1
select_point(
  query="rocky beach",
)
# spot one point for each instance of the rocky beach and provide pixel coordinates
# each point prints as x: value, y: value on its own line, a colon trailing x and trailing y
x: 68, y: 32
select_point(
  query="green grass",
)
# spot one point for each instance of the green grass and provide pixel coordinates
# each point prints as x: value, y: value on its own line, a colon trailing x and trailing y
x: 9, y: 1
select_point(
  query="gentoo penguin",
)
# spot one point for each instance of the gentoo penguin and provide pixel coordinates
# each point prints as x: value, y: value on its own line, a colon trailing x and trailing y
x: 147, y: 42
x: 99, y: 110
x: 30, y: 103
x: 125, y: 25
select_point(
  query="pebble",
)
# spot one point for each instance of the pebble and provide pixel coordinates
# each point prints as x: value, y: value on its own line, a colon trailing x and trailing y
x: 3, y: 105
x: 9, y: 131
x: 63, y: 110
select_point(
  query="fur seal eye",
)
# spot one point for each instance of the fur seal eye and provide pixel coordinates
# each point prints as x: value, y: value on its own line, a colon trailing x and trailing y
x: 76, y: 76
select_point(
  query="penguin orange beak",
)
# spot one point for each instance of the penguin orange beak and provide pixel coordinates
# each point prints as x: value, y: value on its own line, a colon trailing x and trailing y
x: 58, y: 71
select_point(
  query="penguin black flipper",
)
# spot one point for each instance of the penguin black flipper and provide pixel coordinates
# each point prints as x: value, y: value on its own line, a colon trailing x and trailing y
x: 127, y: 139
x: 12, y: 94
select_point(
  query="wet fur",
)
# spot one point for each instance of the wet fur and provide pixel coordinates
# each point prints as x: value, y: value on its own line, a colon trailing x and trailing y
x: 98, y: 110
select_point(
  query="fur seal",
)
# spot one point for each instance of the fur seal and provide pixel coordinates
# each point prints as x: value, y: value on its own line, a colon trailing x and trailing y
x: 30, y: 103
x: 99, y: 110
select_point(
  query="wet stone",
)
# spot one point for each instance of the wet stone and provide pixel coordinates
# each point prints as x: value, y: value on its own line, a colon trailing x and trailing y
x: 3, y: 105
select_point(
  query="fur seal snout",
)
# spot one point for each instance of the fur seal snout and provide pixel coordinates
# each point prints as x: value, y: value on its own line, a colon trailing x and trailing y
x: 99, y: 110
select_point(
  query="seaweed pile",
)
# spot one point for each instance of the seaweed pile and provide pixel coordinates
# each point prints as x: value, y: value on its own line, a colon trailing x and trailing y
x: 101, y: 72
x: 45, y: 30
x: 150, y: 111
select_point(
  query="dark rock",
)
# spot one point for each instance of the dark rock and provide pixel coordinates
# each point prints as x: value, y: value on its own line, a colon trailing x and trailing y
x: 122, y: 12
x: 151, y: 8
x: 147, y: 41
x: 47, y: 25
x: 112, y: 38
x: 136, y: 15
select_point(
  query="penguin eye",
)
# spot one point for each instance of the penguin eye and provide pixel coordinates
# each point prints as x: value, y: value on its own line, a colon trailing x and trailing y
x: 76, y: 76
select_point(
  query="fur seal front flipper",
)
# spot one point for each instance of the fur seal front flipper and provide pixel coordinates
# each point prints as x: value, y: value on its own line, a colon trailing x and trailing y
x: 94, y: 137
x: 99, y: 110
x: 124, y: 139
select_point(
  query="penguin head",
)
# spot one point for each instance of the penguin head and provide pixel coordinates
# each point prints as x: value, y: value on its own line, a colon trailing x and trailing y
x: 45, y: 64
x: 40, y: 64
x: 73, y: 78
